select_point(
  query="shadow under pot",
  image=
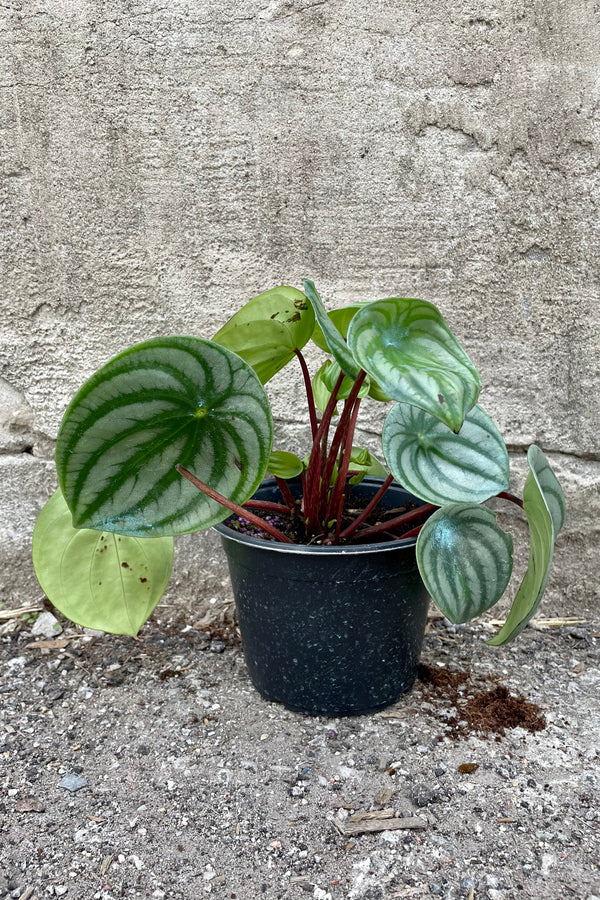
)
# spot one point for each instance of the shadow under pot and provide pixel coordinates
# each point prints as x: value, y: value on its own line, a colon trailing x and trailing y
x: 332, y: 631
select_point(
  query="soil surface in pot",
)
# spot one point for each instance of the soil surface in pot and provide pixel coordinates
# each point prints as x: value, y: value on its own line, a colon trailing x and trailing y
x: 293, y: 526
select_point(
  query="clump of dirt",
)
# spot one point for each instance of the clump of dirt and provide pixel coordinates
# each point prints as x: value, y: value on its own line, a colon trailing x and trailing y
x: 488, y: 712
x: 498, y: 709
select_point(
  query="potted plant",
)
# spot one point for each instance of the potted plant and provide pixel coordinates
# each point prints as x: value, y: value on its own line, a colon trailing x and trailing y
x: 332, y: 560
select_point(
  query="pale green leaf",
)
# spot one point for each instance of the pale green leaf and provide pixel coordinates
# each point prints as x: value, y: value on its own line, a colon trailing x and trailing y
x: 266, y: 330
x: 98, y: 579
x: 324, y: 382
x: 284, y: 465
x: 544, y: 506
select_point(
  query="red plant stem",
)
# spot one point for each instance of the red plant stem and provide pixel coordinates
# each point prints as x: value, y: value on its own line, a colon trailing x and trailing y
x: 267, y: 505
x: 506, y: 495
x: 286, y: 493
x: 399, y: 520
x: 337, y: 491
x: 229, y: 504
x: 312, y: 411
x: 347, y: 532
x: 317, y: 461
x: 339, y: 439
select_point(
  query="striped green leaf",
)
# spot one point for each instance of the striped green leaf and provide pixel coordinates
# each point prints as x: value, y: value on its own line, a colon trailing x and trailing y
x: 407, y: 347
x: 334, y: 341
x: 95, y: 578
x: 266, y: 331
x: 440, y: 466
x: 544, y: 505
x: 465, y: 560
x: 166, y: 401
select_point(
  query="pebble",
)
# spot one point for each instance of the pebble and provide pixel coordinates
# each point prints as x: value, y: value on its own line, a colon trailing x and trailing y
x: 73, y: 782
x: 46, y: 625
x: 422, y: 795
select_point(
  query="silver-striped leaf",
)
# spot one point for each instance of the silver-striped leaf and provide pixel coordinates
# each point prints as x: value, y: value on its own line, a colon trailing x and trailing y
x: 162, y: 402
x: 440, y: 466
x: 410, y: 351
x: 544, y: 505
x: 97, y: 579
x: 465, y: 560
x: 334, y: 340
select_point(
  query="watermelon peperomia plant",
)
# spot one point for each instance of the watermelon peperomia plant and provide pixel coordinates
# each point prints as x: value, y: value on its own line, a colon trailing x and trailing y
x: 175, y: 433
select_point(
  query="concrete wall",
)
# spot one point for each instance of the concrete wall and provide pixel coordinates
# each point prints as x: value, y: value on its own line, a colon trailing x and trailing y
x: 162, y: 163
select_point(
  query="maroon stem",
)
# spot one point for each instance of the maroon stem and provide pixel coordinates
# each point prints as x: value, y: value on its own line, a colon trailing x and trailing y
x: 317, y: 460
x: 229, y: 504
x: 337, y: 491
x: 286, y: 493
x: 312, y: 411
x: 506, y: 495
x: 347, y: 532
x: 400, y: 520
x: 267, y: 505
x: 339, y: 439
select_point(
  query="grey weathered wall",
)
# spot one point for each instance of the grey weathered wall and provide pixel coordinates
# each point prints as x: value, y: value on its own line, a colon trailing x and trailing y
x: 161, y: 164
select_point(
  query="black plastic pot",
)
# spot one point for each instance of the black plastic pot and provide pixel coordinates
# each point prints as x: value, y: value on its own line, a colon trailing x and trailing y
x: 333, y: 631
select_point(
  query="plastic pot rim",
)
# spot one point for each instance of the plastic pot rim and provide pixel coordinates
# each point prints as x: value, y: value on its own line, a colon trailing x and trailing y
x: 315, y: 550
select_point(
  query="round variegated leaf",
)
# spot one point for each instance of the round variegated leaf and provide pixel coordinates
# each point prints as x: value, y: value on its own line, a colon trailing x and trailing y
x: 325, y: 380
x: 544, y: 506
x: 465, y: 560
x: 408, y: 348
x: 284, y: 465
x: 95, y: 578
x: 165, y: 401
x: 440, y: 466
x: 334, y: 340
x: 266, y: 330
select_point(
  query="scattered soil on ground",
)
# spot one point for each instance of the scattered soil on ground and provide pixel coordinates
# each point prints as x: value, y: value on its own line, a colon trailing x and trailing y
x: 487, y: 712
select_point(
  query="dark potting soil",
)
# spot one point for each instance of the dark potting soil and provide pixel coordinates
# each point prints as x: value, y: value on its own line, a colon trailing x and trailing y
x: 487, y: 712
x: 293, y: 526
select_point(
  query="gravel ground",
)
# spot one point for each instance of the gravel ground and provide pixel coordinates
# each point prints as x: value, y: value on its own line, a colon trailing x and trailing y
x: 151, y: 768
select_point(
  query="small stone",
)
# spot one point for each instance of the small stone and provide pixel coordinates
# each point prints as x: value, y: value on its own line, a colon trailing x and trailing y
x: 46, y: 625
x: 440, y: 770
x: 423, y: 795
x: 73, y: 782
x: 217, y: 646
x: 249, y: 764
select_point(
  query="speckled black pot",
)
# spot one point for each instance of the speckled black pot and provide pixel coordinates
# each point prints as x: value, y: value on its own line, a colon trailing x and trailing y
x: 333, y: 631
